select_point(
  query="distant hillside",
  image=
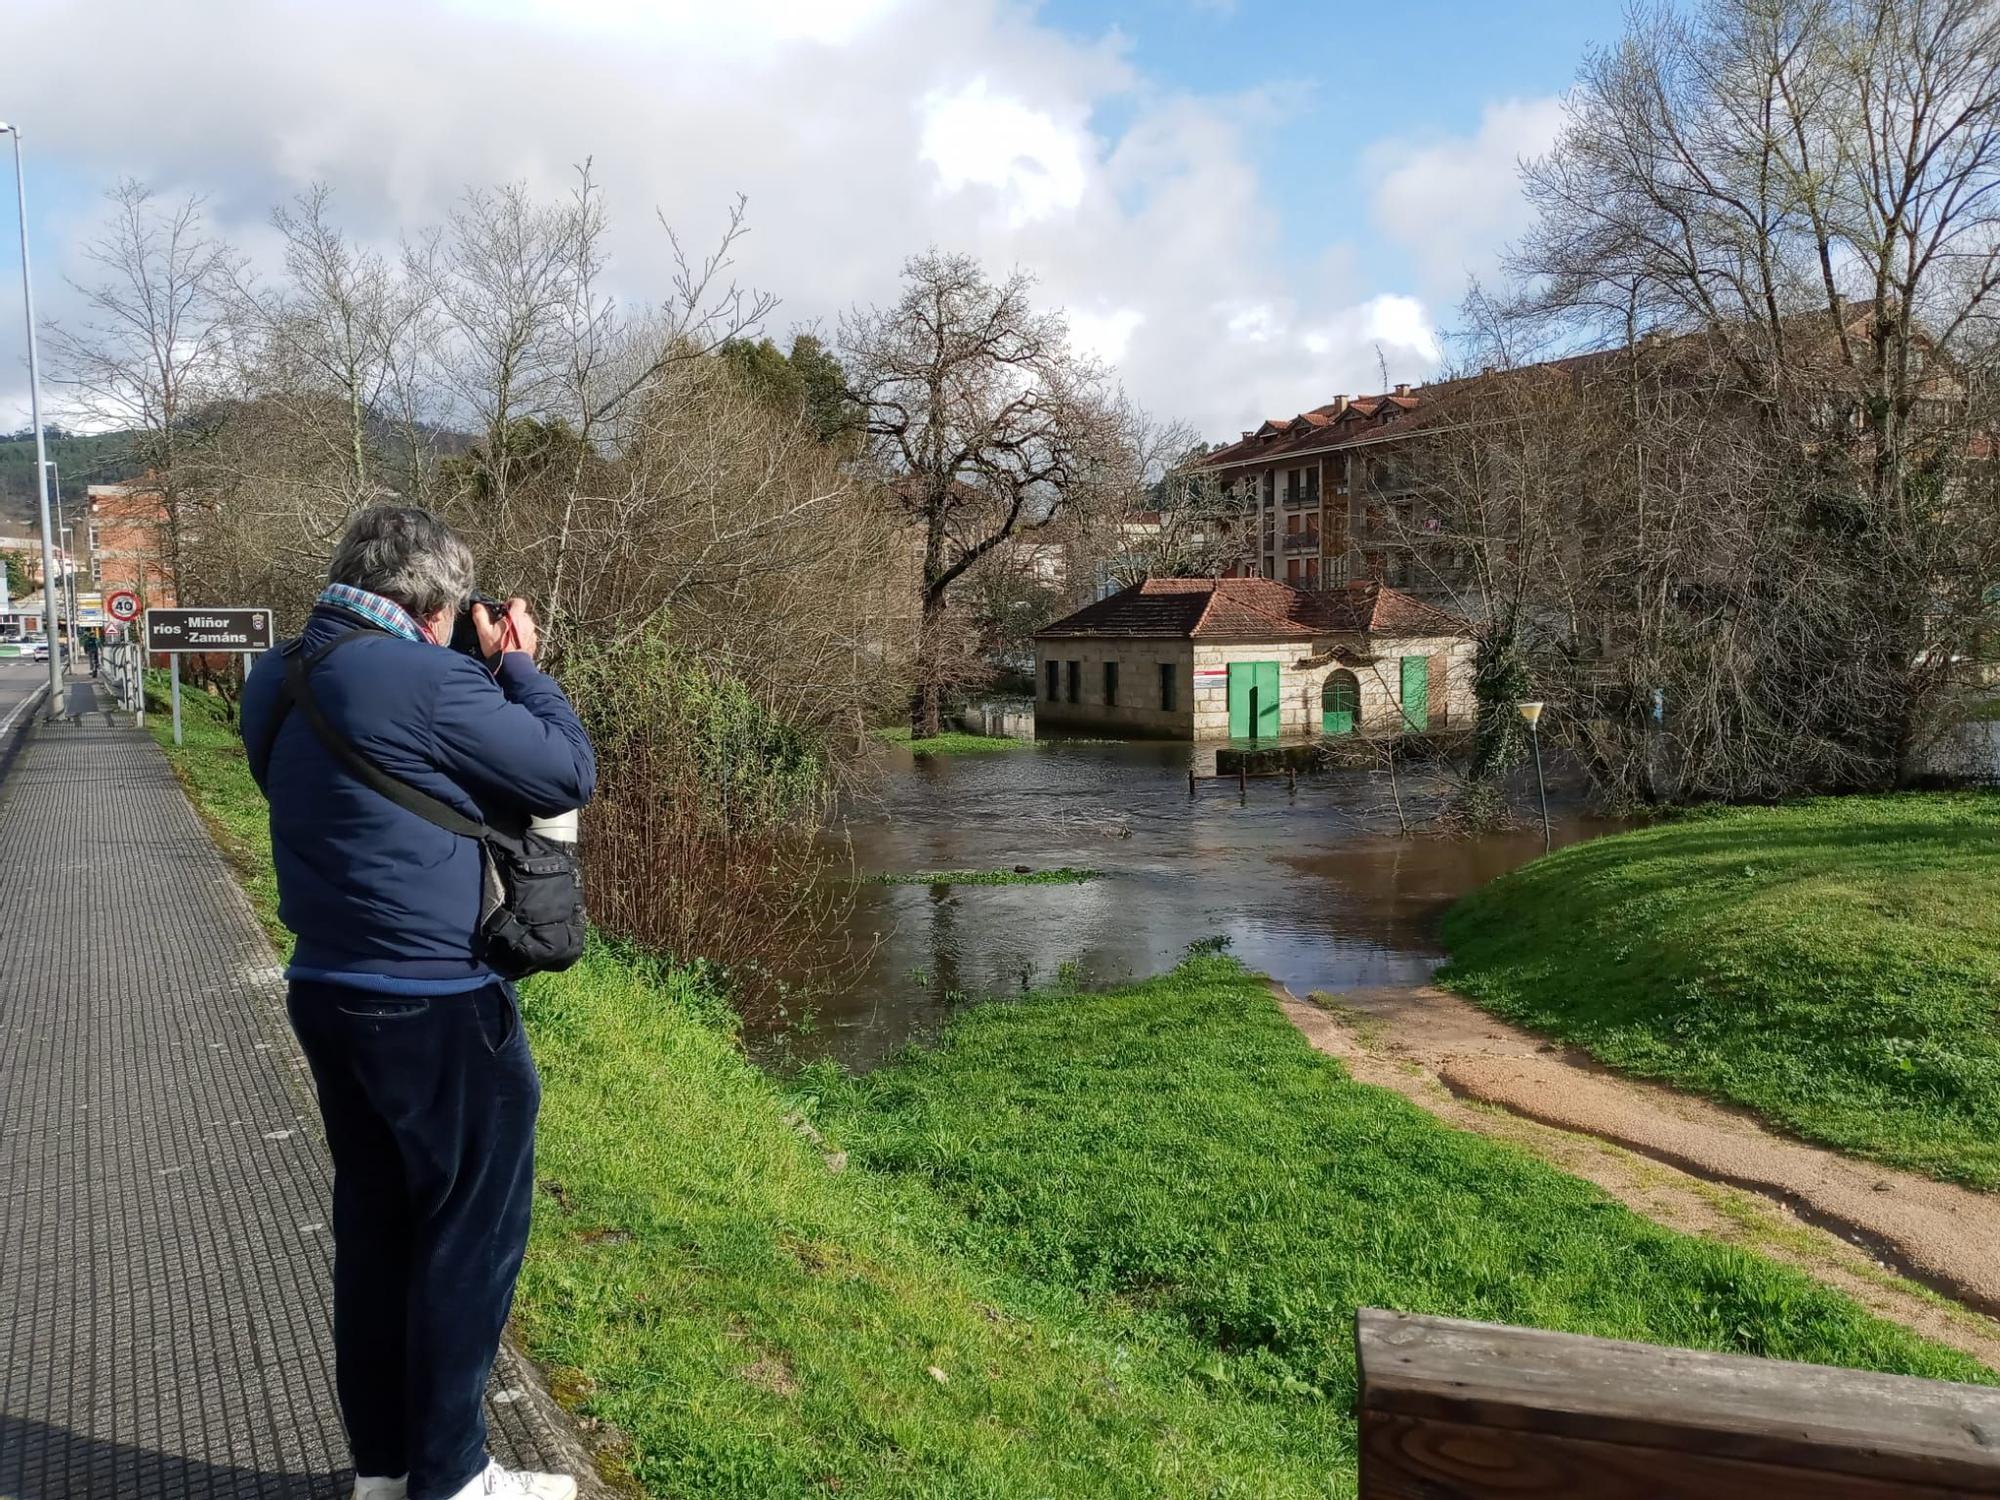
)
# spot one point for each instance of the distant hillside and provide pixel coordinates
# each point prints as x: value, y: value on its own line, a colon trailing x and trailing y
x: 82, y: 460
x: 85, y: 459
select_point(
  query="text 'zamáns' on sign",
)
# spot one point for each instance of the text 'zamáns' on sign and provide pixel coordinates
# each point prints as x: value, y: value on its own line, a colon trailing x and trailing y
x: 208, y: 630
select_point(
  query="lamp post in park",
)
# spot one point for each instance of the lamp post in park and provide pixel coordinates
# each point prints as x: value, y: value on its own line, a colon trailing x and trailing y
x: 1532, y: 712
x: 41, y: 443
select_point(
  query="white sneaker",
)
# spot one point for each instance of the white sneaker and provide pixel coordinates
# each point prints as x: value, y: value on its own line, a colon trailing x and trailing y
x: 520, y: 1485
x: 374, y: 1488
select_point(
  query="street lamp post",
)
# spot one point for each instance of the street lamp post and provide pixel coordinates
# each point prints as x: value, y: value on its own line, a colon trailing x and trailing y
x: 69, y: 592
x: 41, y: 443
x: 63, y: 533
x: 1532, y: 712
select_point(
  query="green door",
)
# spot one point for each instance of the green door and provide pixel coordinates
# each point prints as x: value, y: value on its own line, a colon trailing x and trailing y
x: 1416, y: 692
x: 1253, y: 700
x: 1340, y: 703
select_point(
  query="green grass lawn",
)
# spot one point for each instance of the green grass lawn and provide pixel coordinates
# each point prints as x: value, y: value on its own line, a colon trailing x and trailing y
x: 1091, y: 1245
x: 952, y: 743
x: 1833, y: 964
x: 1058, y: 875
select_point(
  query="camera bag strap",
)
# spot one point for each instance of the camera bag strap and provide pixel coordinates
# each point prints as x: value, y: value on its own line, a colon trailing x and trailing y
x: 296, y: 691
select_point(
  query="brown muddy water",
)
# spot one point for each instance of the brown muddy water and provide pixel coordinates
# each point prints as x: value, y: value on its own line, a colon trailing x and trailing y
x: 1315, y: 889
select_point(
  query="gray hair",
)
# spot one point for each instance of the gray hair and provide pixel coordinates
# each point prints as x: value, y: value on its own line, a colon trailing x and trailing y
x: 404, y: 553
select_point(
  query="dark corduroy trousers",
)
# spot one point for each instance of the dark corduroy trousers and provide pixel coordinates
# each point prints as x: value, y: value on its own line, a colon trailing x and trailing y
x: 429, y: 1106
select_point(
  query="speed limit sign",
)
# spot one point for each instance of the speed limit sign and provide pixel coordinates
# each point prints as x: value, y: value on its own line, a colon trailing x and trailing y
x: 122, y: 605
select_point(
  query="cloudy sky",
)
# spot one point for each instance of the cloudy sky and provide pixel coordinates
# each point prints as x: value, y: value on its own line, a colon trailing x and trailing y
x: 1240, y: 202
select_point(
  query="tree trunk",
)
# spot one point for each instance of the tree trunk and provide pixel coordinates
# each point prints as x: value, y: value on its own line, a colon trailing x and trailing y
x: 927, y: 693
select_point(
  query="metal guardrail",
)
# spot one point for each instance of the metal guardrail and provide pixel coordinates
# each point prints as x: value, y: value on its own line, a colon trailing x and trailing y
x: 122, y: 667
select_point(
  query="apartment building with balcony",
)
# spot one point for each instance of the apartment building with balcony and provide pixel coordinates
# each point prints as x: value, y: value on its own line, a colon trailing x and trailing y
x: 1355, y: 490
x: 1332, y: 495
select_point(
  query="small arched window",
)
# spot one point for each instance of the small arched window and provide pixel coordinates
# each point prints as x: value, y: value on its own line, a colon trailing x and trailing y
x: 1340, y: 703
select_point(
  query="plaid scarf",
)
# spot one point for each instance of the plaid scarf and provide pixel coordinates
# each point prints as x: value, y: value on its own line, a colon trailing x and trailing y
x: 373, y: 608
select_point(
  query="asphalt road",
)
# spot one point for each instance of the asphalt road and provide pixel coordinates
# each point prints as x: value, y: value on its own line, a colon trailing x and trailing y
x: 19, y: 678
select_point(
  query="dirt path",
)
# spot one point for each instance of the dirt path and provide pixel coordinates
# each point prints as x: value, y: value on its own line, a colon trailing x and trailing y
x: 1683, y: 1162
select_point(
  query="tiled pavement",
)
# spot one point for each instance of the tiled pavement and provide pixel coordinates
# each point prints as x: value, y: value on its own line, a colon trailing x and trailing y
x: 165, y: 1265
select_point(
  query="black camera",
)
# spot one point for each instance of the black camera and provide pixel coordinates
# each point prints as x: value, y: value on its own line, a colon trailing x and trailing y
x: 464, y: 634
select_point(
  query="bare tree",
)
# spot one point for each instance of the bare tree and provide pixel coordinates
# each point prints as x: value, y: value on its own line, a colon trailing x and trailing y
x: 150, y: 357
x: 985, y: 425
x: 1781, y: 221
x: 337, y: 341
x: 1182, y: 521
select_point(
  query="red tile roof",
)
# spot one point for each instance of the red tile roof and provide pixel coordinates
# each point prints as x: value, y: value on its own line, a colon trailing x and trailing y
x: 1396, y: 413
x: 1255, y: 609
x: 1322, y: 428
x: 1370, y: 608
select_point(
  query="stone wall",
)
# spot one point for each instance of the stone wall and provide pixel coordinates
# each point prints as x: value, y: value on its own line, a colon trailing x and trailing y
x: 1211, y: 686
x: 1450, y: 702
x: 1201, y: 710
x: 1137, y: 713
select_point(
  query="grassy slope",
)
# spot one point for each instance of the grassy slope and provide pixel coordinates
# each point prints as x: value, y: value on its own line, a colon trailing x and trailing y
x: 1833, y: 964
x: 1127, y: 1230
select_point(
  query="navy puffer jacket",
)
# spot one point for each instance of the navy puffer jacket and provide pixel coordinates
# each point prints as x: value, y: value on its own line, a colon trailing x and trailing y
x: 368, y: 887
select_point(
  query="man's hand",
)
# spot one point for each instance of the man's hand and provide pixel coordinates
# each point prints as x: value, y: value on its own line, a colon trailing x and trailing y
x: 513, y: 631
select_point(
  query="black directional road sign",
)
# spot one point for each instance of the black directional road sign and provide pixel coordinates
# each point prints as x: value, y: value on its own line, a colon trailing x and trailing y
x: 208, y: 630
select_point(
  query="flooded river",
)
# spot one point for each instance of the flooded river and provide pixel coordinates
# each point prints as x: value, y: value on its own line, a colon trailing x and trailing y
x: 1314, y: 888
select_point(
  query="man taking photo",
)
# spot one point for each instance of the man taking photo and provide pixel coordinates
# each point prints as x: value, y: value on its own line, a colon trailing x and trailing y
x: 426, y: 1087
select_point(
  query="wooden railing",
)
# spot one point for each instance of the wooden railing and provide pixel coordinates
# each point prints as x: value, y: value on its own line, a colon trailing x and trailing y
x: 1474, y: 1411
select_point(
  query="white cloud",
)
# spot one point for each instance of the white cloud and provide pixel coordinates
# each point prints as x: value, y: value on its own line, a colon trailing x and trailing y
x: 738, y: 27
x: 975, y: 138
x: 861, y: 131
x: 1104, y: 335
x: 1400, y: 323
x: 1454, y: 203
x: 1257, y: 323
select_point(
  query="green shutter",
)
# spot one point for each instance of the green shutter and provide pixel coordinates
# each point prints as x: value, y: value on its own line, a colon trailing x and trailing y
x: 1417, y: 692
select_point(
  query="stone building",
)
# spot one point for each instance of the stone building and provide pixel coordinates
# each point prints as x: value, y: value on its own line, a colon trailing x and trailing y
x: 1252, y: 658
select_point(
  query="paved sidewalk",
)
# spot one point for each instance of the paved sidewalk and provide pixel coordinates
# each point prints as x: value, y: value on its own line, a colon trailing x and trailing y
x: 165, y: 1264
